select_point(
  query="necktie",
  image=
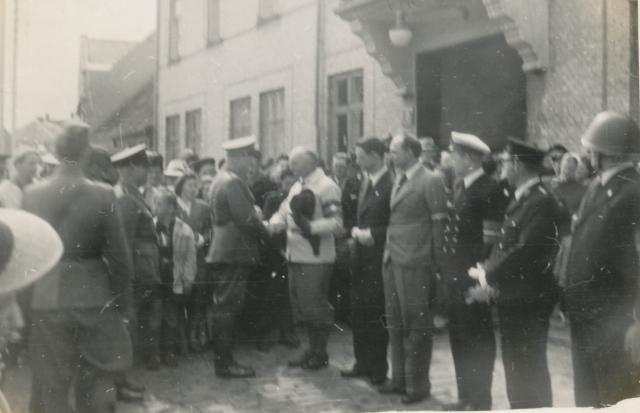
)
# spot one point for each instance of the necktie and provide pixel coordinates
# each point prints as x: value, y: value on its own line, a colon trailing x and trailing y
x: 401, y: 181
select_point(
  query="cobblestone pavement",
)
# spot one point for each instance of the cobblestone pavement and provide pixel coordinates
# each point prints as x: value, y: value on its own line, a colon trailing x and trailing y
x: 193, y: 386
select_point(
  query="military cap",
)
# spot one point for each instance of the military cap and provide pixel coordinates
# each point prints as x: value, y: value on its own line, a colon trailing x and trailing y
x: 240, y: 146
x: 469, y: 142
x: 176, y: 168
x: 197, y: 165
x: 133, y: 155
x: 526, y: 153
x: 373, y: 144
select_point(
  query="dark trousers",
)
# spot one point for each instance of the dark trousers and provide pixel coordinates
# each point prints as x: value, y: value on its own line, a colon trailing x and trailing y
x: 174, y: 322
x: 339, y: 286
x: 230, y: 284
x: 473, y: 348
x: 602, y: 370
x: 406, y: 291
x: 148, y: 306
x: 84, y: 349
x: 370, y: 337
x: 524, y: 329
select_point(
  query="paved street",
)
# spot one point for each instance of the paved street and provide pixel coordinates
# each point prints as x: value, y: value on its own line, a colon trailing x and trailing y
x: 193, y: 387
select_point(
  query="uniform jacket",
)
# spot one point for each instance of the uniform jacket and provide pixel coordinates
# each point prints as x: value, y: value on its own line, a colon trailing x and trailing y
x: 327, y: 222
x: 521, y: 262
x: 141, y: 235
x: 603, y: 260
x: 199, y: 219
x: 419, y: 203
x: 96, y: 267
x: 475, y: 217
x: 237, y: 230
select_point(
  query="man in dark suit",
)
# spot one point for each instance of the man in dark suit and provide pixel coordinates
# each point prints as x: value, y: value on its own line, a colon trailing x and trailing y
x: 370, y: 337
x: 80, y: 308
x: 412, y: 252
x: 601, y: 296
x: 520, y: 267
x: 132, y: 165
x: 234, y: 251
x: 474, y: 223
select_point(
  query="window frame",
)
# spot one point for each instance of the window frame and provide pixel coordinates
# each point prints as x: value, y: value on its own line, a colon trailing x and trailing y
x: 172, y: 146
x: 273, y: 123
x: 353, y: 109
x: 232, y: 125
x: 197, y: 145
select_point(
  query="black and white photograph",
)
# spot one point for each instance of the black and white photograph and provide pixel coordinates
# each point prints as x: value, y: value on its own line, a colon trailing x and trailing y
x: 319, y: 206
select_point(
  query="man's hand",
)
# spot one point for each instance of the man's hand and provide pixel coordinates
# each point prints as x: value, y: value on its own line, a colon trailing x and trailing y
x: 478, y: 274
x: 479, y: 294
x: 362, y: 236
x: 632, y: 342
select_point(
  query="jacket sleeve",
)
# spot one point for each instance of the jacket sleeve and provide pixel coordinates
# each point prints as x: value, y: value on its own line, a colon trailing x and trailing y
x: 117, y: 254
x: 331, y: 221
x: 539, y: 231
x: 242, y: 210
x: 436, y: 197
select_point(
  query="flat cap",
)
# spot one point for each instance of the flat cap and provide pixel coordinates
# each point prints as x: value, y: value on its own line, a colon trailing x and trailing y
x: 197, y: 165
x: 373, y: 144
x: 525, y: 152
x: 176, y: 168
x: 133, y: 154
x: 470, y: 142
x: 239, y: 146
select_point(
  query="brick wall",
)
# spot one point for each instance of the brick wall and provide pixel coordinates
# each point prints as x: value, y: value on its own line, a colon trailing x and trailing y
x: 563, y: 100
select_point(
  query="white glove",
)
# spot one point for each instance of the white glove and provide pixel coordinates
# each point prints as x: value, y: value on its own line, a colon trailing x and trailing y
x: 478, y: 273
x: 362, y: 236
x: 479, y: 294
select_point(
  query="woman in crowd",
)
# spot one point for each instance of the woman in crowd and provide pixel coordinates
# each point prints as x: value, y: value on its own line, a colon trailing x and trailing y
x: 197, y: 214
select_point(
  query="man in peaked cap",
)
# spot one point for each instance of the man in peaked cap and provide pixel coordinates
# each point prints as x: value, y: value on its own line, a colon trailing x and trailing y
x: 133, y: 165
x: 520, y: 268
x: 234, y: 252
x: 78, y: 333
x: 601, y: 297
x: 474, y: 224
x: 204, y: 167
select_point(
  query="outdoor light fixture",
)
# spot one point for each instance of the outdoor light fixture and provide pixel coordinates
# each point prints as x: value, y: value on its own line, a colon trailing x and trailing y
x: 400, y: 34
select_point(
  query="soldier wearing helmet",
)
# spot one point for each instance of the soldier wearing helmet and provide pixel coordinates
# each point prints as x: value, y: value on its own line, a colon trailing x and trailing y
x: 601, y: 295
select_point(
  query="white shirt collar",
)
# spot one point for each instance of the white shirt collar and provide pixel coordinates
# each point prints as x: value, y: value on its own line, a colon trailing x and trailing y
x: 525, y: 186
x: 186, y: 206
x: 375, y: 178
x: 472, y: 177
x: 409, y: 173
x: 606, y: 176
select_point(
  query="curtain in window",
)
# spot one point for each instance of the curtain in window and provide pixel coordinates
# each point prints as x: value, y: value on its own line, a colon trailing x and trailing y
x: 272, y: 123
x: 240, y: 122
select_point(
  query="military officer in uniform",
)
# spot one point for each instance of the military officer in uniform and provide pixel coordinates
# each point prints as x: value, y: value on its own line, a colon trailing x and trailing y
x: 602, y: 295
x: 370, y: 338
x: 132, y: 165
x: 475, y: 218
x: 78, y: 336
x: 234, y: 251
x: 520, y: 269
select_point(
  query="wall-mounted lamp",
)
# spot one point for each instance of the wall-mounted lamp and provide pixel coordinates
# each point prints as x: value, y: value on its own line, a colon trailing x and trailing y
x: 400, y: 34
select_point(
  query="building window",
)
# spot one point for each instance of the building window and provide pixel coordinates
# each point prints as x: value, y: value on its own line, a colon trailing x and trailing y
x: 213, y: 21
x: 272, y: 122
x: 268, y: 10
x: 172, y: 133
x: 174, y: 31
x: 193, y: 133
x: 240, y: 119
x: 346, y: 120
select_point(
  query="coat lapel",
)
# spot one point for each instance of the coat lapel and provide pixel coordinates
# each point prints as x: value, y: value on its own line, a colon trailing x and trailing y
x: 405, y: 190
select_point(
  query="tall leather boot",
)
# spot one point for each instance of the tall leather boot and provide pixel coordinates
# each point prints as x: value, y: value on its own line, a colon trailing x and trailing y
x: 319, y: 336
x: 301, y: 360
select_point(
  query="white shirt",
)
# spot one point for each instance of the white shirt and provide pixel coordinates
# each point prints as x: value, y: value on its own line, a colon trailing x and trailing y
x: 525, y: 186
x: 472, y: 177
x: 375, y: 178
x: 606, y: 176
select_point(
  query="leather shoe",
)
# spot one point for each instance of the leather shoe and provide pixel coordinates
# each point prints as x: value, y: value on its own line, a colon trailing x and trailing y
x: 235, y: 371
x: 459, y: 406
x: 413, y: 398
x: 300, y: 361
x: 390, y: 388
x: 352, y: 373
x: 125, y: 382
x: 316, y: 362
x: 128, y: 395
x: 378, y: 380
x: 289, y: 340
x: 153, y: 362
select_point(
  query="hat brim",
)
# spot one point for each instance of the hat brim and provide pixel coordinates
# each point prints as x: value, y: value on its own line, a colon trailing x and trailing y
x: 37, y: 248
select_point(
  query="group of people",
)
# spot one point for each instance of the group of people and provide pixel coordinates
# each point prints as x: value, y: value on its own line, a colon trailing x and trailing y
x: 399, y: 241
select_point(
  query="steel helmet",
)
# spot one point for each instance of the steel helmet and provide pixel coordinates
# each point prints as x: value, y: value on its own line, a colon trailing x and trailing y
x: 611, y: 133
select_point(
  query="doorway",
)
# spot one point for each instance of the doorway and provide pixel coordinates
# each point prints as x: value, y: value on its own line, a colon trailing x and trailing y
x: 476, y: 87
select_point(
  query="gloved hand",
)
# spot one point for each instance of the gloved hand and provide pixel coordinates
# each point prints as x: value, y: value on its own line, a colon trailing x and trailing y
x: 478, y: 274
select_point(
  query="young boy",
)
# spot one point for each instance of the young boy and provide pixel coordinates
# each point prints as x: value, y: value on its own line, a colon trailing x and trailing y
x: 178, y: 267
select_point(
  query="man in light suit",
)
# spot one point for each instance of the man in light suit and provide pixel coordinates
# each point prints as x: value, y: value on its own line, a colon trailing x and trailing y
x: 414, y: 238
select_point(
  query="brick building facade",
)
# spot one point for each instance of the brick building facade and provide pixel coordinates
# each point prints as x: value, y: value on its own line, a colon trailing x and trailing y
x: 324, y: 73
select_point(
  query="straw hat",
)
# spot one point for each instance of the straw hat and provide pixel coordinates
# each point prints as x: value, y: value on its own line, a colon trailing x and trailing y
x: 29, y: 248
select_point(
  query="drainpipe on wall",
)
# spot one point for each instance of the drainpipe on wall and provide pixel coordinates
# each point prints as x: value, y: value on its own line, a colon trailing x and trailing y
x: 2, y: 89
x: 155, y: 141
x: 319, y: 67
x: 605, y: 56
